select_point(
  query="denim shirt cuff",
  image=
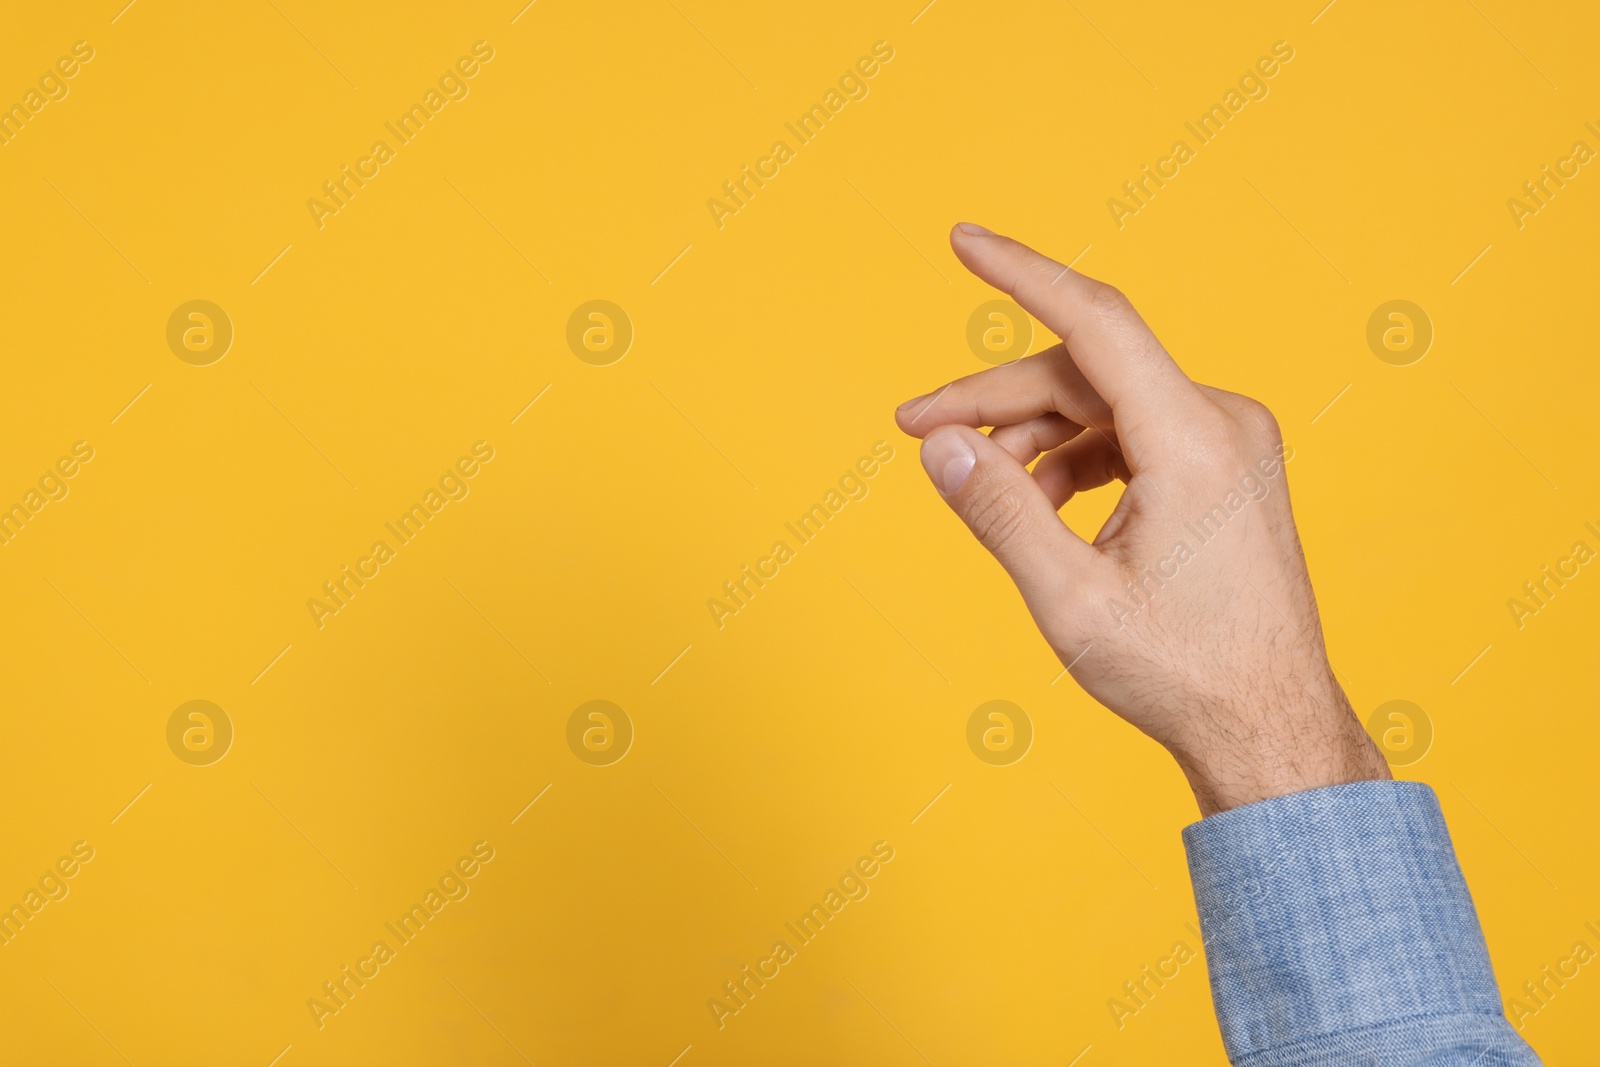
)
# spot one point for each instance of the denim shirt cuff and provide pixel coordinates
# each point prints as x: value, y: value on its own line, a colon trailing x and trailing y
x: 1332, y: 911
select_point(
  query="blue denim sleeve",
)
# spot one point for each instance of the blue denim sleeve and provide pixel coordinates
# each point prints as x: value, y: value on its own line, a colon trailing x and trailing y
x: 1339, y: 930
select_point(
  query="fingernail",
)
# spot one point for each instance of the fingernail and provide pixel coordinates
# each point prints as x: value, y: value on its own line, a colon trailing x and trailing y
x: 974, y: 229
x: 949, y: 460
x: 911, y: 404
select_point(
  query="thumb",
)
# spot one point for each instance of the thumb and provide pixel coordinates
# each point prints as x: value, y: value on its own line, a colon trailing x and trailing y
x: 1009, y: 514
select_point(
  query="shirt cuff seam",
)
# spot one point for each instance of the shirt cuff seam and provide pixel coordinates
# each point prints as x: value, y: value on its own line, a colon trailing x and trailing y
x: 1246, y: 1056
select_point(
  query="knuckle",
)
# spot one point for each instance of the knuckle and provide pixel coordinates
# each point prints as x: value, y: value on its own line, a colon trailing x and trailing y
x: 1114, y: 467
x: 1044, y: 268
x: 1084, y: 408
x: 997, y: 517
x: 1238, y: 428
x: 1055, y: 396
x: 1109, y: 302
x: 1260, y: 424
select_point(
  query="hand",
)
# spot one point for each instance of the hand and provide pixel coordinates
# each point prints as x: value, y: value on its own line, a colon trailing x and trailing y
x: 1191, y: 614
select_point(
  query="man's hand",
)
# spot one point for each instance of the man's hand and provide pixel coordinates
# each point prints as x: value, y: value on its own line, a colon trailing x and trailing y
x: 1191, y: 614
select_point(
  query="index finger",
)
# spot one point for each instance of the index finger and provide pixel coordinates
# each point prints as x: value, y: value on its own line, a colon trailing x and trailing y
x: 1108, y: 340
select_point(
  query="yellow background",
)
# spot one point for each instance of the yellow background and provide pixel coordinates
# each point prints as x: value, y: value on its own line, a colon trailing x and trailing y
x: 426, y: 315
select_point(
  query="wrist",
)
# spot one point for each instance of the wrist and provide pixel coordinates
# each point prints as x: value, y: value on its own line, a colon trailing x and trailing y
x: 1246, y: 759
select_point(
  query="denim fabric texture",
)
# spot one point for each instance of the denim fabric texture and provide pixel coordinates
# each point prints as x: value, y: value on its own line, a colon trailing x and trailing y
x: 1339, y: 930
